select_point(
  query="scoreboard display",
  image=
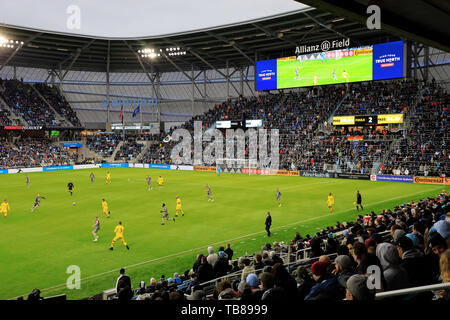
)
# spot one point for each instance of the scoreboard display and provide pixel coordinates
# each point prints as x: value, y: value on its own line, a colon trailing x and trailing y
x: 371, y: 120
x: 238, y: 124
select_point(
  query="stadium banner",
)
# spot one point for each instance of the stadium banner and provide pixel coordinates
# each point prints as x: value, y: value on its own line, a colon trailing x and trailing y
x: 432, y: 180
x: 3, y: 171
x: 71, y: 144
x: 357, y: 176
x: 392, y: 178
x: 38, y: 169
x: 135, y: 165
x: 184, y: 168
x: 159, y: 166
x: 316, y: 174
x: 355, y: 138
x: 265, y: 172
x: 201, y: 168
x: 390, y: 118
x: 57, y: 168
x: 343, y: 120
x: 286, y: 173
x: 86, y: 166
x: 115, y: 165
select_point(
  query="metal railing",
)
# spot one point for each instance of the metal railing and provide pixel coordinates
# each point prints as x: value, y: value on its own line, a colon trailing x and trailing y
x: 407, y: 291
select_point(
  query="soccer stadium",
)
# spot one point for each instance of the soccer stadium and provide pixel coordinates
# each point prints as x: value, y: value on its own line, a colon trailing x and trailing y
x: 253, y: 151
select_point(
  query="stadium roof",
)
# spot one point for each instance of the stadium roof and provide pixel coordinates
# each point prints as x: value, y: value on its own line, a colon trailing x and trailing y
x: 239, y: 44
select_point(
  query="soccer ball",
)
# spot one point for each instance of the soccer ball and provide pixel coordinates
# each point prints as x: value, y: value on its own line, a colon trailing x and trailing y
x: 74, y: 203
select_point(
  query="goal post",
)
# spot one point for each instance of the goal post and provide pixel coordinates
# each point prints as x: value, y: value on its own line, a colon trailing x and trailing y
x: 235, y: 165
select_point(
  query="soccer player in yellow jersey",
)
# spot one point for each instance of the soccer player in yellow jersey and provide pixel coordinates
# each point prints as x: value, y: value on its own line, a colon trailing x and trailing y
x: 330, y: 202
x: 119, y: 236
x: 108, y: 177
x: 160, y: 181
x: 105, y: 208
x: 5, y: 208
x: 345, y: 76
x: 178, y: 207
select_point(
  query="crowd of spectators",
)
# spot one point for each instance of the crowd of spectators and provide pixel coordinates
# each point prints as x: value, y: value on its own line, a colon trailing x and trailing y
x: 58, y: 102
x: 304, y: 145
x: 25, y: 102
x: 415, y: 252
x: 34, y: 152
x: 103, y: 144
x: 424, y: 150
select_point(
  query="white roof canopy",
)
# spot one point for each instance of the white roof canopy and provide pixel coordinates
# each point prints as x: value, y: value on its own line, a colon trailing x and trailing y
x: 137, y: 18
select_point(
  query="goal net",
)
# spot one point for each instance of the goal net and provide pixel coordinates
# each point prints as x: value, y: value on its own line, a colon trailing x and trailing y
x: 238, y: 165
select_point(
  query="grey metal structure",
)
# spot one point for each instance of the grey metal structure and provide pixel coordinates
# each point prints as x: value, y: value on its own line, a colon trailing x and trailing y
x: 219, y: 64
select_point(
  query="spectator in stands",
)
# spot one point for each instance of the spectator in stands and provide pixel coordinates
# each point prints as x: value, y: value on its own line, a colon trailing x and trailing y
x: 327, y: 287
x: 444, y: 265
x: 363, y: 258
x: 343, y: 269
x: 254, y: 284
x: 212, y: 257
x: 35, y: 295
x: 247, y: 269
x: 197, y: 295
x: 315, y: 244
x: 126, y: 280
x: 413, y: 262
x: 125, y: 292
x: 304, y: 282
x: 258, y: 263
x: 197, y: 262
x: 284, y: 280
x: 357, y: 289
x: 205, y: 271
x: 394, y: 275
x: 221, y: 267
x: 229, y: 251
x: 267, y: 283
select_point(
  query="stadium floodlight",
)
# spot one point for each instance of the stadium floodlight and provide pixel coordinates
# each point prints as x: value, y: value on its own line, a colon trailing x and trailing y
x: 9, y: 43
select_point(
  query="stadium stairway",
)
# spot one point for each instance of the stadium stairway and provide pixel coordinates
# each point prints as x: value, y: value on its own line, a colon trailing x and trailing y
x: 87, y: 153
x: 147, y: 145
x: 113, y: 155
x: 13, y: 116
x: 62, y: 120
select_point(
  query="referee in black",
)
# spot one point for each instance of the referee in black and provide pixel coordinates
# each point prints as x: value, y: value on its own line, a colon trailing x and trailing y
x: 268, y: 223
x: 359, y: 201
x: 70, y: 187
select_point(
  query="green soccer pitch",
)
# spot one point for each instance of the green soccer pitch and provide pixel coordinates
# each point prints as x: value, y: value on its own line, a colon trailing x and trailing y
x: 37, y: 248
x: 359, y: 68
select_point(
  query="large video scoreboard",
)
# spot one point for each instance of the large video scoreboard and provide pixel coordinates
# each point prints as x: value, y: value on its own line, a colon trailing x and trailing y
x: 370, y: 120
x: 364, y: 63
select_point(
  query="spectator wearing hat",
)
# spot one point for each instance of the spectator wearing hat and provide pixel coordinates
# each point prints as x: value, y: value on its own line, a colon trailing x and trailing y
x: 343, y: 269
x: 327, y: 287
x: 221, y: 267
x: 395, y: 277
x: 254, y: 284
x: 357, y: 289
x: 304, y: 282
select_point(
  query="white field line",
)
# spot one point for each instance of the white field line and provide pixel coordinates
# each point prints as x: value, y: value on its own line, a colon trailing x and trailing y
x: 215, y: 243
